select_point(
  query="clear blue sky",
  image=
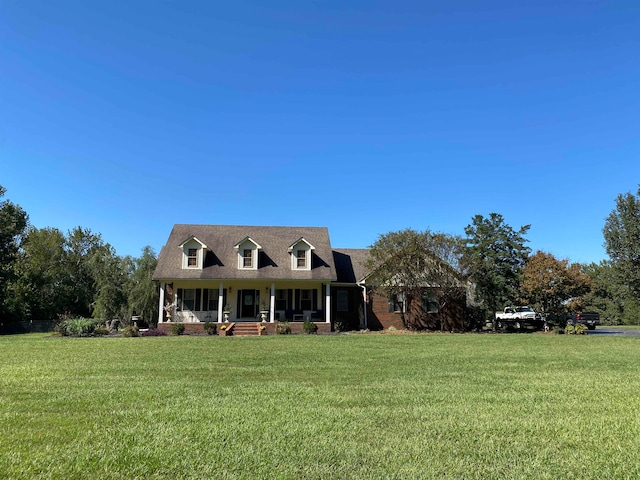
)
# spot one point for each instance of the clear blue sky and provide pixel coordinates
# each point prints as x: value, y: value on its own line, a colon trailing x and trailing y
x: 365, y: 117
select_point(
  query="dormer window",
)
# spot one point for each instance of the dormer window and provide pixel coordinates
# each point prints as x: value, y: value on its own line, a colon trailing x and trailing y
x: 300, y: 251
x: 192, y: 257
x: 301, y: 259
x: 193, y: 253
x: 247, y: 258
x: 247, y: 253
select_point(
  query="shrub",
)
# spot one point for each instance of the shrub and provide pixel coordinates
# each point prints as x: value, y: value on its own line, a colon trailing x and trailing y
x: 570, y: 330
x: 283, y: 328
x: 77, y: 327
x: 580, y: 329
x: 340, y: 325
x: 154, y: 332
x: 210, y: 328
x: 392, y: 328
x: 309, y: 327
x: 131, y: 331
x: 177, y: 329
x: 101, y: 330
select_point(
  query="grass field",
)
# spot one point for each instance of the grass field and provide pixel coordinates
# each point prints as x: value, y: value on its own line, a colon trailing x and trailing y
x: 348, y: 406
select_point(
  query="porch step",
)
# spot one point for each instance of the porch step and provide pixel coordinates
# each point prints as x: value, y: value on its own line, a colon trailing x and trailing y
x: 245, y: 329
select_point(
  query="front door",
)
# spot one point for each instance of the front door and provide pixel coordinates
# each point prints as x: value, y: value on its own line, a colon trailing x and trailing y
x: 248, y: 302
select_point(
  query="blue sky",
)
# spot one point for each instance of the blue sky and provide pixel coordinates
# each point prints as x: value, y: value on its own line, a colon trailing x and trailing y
x: 365, y: 117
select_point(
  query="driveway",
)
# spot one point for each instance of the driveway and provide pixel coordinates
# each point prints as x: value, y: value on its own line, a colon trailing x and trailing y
x: 618, y: 331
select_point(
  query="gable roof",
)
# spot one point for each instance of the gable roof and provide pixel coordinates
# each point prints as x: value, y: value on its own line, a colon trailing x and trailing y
x: 192, y: 237
x: 350, y: 264
x: 221, y: 260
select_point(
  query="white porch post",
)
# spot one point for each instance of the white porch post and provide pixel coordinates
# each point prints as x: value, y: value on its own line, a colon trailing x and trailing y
x: 272, y: 304
x: 327, y: 302
x: 220, y: 300
x: 161, y: 304
x: 364, y: 304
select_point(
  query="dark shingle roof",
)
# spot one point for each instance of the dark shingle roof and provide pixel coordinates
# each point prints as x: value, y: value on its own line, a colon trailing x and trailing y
x: 350, y: 264
x: 221, y: 261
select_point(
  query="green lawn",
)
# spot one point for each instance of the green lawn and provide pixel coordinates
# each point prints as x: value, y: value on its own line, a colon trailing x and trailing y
x: 348, y: 406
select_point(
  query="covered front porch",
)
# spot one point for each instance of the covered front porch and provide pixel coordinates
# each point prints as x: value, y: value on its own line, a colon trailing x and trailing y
x: 196, y: 301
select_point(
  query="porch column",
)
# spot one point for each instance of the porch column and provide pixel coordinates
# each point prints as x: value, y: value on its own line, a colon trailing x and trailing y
x: 364, y: 304
x: 272, y: 304
x: 161, y: 304
x: 327, y: 303
x: 220, y: 301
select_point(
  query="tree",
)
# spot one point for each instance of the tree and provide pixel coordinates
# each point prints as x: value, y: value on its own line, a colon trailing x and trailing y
x: 111, y: 277
x: 494, y: 257
x: 622, y: 241
x: 36, y: 293
x: 549, y: 283
x: 143, y: 292
x: 79, y: 287
x: 610, y: 296
x: 13, y: 222
x: 407, y: 264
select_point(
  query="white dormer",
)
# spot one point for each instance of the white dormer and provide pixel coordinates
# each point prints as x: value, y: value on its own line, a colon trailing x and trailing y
x: 193, y: 252
x: 247, y: 253
x: 300, y: 251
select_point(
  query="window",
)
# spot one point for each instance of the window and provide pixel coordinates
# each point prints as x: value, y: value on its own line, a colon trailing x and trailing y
x: 301, y: 258
x: 189, y: 299
x: 281, y: 299
x: 342, y: 300
x: 212, y: 302
x: 247, y: 258
x: 305, y: 299
x: 396, y: 303
x: 192, y: 257
x: 429, y: 302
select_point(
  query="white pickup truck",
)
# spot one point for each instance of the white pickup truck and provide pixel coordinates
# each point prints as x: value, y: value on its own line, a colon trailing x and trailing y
x: 518, y: 318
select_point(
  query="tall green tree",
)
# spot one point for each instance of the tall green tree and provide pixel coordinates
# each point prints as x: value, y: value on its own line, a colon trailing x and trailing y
x: 404, y: 265
x: 80, y: 288
x: 143, y: 293
x: 610, y: 296
x: 111, y: 278
x: 37, y: 292
x: 13, y: 223
x: 622, y: 241
x: 494, y: 257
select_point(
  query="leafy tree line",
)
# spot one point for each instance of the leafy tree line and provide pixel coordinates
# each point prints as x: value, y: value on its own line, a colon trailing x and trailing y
x: 498, y: 269
x: 45, y: 273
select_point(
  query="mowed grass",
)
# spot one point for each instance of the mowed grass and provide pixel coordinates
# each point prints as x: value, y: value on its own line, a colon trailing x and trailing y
x: 347, y: 406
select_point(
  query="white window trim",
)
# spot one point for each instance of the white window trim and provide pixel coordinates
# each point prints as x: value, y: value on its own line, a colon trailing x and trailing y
x: 189, y: 244
x: 301, y: 245
x: 247, y: 243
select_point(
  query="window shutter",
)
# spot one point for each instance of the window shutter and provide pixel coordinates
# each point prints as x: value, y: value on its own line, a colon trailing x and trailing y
x: 297, y: 300
x: 179, y: 299
x: 314, y: 305
x: 205, y: 299
x: 198, y: 299
x: 290, y: 305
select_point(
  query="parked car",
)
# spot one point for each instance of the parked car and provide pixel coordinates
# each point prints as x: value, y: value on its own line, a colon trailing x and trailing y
x: 590, y: 319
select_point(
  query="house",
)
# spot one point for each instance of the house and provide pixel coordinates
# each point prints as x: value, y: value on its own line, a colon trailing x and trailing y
x: 224, y: 273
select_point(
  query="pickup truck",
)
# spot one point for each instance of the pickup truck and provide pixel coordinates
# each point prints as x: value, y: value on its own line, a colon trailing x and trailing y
x: 518, y: 318
x: 590, y: 319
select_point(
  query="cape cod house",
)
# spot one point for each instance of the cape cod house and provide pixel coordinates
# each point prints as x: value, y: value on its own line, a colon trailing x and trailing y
x: 249, y: 274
